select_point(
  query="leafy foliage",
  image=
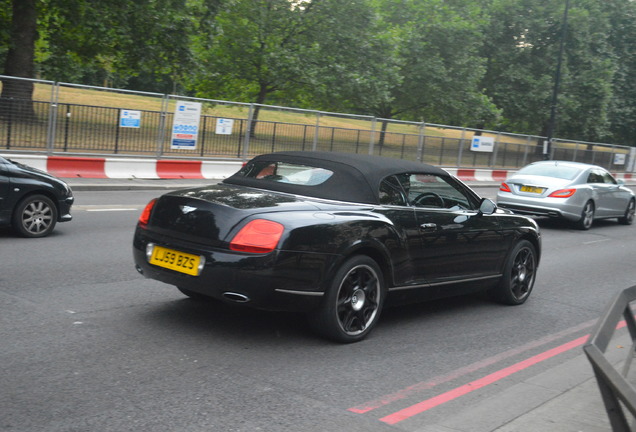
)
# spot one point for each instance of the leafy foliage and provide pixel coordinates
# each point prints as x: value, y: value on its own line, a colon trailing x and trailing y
x: 488, y: 64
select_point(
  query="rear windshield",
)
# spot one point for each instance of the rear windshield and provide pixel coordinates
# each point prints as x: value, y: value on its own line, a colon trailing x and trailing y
x: 283, y: 172
x: 557, y: 171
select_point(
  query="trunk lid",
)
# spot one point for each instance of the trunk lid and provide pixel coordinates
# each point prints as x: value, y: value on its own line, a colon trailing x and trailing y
x: 206, y: 215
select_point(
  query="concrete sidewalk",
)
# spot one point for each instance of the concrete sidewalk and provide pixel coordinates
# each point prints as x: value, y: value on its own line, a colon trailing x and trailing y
x: 564, y: 398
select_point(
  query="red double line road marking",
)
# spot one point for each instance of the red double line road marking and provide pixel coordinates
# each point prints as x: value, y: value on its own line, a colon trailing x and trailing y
x: 473, y: 385
x: 422, y: 386
x: 477, y: 384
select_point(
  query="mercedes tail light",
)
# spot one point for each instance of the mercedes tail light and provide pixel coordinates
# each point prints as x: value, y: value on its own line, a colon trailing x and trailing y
x: 504, y: 188
x: 562, y: 193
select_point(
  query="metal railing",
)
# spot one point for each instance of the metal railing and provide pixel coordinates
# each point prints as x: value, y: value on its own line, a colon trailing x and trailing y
x: 77, y: 119
x: 617, y: 392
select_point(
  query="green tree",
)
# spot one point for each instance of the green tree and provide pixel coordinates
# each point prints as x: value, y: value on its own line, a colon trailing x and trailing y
x: 277, y: 51
x: 521, y: 52
x: 16, y: 95
x: 433, y: 50
x: 106, y: 42
x: 622, y: 111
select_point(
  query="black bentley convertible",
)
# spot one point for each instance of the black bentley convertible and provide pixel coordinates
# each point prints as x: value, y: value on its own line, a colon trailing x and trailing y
x: 336, y: 236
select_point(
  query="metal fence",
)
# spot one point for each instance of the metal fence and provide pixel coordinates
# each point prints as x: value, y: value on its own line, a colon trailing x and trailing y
x: 74, y: 119
x: 616, y: 390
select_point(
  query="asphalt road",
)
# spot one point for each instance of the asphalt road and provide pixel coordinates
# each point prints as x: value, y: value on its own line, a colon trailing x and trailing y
x: 87, y: 344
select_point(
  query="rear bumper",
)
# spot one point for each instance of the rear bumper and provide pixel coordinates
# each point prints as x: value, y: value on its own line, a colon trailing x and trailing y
x: 550, y: 207
x: 279, y: 281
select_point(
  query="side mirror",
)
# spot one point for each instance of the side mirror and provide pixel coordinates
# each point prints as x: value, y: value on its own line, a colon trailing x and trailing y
x: 487, y: 206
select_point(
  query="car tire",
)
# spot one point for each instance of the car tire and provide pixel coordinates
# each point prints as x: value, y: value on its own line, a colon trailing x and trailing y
x: 353, y: 301
x: 628, y: 218
x: 193, y: 294
x: 519, y: 275
x: 34, y: 216
x: 587, y: 217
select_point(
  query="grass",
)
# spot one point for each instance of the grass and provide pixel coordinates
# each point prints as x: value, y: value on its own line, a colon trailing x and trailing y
x: 88, y: 122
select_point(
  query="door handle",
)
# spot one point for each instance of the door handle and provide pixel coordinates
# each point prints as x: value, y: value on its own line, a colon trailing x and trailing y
x: 428, y: 227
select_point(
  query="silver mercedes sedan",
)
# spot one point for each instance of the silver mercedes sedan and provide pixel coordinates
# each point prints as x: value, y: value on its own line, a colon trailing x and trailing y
x: 577, y: 192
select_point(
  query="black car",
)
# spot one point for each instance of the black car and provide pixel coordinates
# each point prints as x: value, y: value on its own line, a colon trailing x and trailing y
x: 32, y: 201
x: 336, y: 236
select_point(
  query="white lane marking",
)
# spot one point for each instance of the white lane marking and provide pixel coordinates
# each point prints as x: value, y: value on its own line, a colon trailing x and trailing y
x: 596, y: 241
x: 107, y: 208
x: 110, y: 210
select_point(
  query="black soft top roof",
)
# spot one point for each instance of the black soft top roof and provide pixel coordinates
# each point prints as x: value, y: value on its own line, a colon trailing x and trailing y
x: 356, y: 177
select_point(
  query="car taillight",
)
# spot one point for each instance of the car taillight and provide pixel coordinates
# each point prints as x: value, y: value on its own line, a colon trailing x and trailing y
x: 145, y: 215
x: 504, y: 188
x: 258, y: 236
x: 562, y: 193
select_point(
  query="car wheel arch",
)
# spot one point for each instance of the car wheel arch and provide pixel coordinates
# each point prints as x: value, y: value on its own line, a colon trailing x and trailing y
x: 377, y: 253
x: 43, y: 192
x: 535, y: 242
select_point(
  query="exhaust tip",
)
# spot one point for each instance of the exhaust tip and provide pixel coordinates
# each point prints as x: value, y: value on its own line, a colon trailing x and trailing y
x: 139, y: 269
x: 236, y: 297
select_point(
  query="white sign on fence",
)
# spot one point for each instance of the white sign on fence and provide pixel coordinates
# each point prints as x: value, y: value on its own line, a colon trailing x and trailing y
x: 483, y: 144
x: 620, y: 159
x: 185, y: 127
x: 130, y: 119
x: 224, y: 126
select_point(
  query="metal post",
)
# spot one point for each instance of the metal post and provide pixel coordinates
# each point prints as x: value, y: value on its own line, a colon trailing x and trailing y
x: 493, y: 161
x: 420, y: 142
x: 203, y: 129
x: 525, y: 153
x: 316, y: 132
x: 372, y: 138
x: 248, y: 132
x: 162, y: 125
x: 460, y: 151
x: 50, y: 133
x: 557, y: 81
x: 117, y: 130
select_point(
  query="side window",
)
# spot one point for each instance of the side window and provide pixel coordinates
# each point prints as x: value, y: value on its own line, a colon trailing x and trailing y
x: 432, y: 191
x: 608, y: 179
x: 391, y: 192
x: 595, y: 177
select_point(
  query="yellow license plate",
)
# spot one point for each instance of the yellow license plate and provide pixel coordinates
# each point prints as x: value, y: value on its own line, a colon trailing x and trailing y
x: 175, y: 260
x: 532, y: 189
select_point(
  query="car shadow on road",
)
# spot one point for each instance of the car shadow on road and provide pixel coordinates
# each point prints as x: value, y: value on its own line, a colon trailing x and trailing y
x: 213, y: 318
x: 546, y: 223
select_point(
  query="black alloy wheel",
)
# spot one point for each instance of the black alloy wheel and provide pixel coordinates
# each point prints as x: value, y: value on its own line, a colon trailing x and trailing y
x: 35, y: 216
x: 628, y: 218
x: 353, y: 302
x: 519, y: 275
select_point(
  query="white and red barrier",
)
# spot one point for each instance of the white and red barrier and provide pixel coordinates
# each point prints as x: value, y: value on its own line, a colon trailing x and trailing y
x: 141, y: 168
x: 96, y: 167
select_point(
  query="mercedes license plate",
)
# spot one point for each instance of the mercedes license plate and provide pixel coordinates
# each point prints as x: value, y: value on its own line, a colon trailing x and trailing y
x: 532, y: 189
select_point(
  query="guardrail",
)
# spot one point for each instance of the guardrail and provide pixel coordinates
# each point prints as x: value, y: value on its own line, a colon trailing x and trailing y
x: 617, y: 392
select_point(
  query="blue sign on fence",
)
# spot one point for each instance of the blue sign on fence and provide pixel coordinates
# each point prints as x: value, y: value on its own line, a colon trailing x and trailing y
x: 130, y: 119
x: 185, y: 127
